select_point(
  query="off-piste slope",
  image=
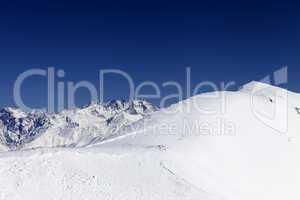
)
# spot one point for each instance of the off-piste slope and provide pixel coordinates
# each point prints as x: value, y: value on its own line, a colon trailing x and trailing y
x: 240, y: 145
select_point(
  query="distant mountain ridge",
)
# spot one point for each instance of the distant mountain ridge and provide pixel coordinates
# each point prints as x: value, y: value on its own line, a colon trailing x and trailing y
x: 19, y: 129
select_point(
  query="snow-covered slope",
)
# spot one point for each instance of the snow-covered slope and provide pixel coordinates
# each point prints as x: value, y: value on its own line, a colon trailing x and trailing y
x: 220, y: 146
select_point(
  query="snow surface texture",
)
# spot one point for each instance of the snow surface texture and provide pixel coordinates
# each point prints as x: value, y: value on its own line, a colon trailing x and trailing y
x: 237, y: 153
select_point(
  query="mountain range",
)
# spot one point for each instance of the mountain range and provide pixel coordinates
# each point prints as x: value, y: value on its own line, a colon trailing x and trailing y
x: 77, y: 127
x: 229, y: 145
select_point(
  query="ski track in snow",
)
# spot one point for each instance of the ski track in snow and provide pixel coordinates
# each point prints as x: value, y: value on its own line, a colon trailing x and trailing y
x: 72, y: 174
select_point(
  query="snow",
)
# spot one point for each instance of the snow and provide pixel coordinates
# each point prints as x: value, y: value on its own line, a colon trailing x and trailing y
x: 231, y: 152
x: 68, y: 174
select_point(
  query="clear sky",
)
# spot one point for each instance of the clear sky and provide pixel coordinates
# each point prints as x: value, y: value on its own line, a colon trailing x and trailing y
x: 151, y: 40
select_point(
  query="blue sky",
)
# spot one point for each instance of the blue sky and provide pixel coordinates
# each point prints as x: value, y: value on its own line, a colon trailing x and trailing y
x: 151, y: 40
